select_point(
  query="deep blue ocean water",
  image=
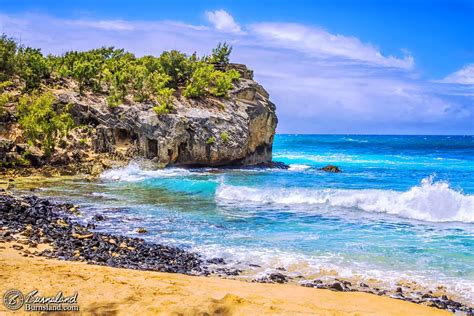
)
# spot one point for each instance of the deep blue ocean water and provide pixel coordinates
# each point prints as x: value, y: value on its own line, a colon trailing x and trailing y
x: 403, y: 208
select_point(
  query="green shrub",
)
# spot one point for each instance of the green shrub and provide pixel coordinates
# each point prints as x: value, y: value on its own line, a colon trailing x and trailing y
x: 8, y: 49
x: 200, y: 80
x: 4, y: 99
x: 41, y: 123
x: 140, y: 83
x: 5, y: 84
x: 176, y: 65
x: 32, y: 67
x: 164, y: 97
x: 223, y: 82
x: 211, y: 140
x: 120, y: 74
x: 220, y: 54
x: 225, y: 137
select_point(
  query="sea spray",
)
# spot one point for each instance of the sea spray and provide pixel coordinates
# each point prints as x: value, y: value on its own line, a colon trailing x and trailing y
x: 429, y: 201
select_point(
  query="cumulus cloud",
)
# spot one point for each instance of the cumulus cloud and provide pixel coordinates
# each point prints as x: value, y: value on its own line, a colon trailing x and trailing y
x: 321, y: 82
x: 463, y: 76
x: 223, y: 21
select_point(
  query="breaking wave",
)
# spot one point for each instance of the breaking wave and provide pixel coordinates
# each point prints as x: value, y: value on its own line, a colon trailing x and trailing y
x: 134, y: 172
x: 429, y: 201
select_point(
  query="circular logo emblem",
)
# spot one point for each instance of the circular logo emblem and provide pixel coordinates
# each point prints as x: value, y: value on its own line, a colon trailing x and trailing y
x: 13, y: 300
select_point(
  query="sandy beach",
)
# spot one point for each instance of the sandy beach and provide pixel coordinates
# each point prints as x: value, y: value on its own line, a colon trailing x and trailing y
x: 115, y: 291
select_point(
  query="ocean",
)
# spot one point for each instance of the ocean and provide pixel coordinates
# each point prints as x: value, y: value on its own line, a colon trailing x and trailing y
x: 402, y: 209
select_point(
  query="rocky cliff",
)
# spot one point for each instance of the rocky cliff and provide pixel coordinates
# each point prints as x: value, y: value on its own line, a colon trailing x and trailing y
x: 207, y: 131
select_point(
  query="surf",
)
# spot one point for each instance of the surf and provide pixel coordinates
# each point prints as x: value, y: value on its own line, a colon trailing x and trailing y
x: 432, y: 201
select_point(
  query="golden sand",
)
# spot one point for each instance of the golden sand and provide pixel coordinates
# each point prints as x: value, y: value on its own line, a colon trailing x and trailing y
x: 112, y: 291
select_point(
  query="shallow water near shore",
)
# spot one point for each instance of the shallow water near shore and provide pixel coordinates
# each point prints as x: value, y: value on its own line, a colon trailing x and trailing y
x: 402, y: 209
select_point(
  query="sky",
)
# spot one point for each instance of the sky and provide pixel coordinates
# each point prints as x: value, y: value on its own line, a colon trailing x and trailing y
x: 340, y: 66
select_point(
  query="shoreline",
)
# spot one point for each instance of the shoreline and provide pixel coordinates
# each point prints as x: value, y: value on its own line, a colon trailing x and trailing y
x: 103, y: 289
x: 43, y: 228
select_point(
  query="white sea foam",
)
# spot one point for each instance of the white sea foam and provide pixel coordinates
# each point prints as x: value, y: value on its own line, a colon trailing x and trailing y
x: 298, y: 167
x: 134, y: 172
x: 329, y: 266
x: 428, y: 201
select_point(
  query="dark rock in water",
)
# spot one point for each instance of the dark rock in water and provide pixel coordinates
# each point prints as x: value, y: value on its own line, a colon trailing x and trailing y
x: 142, y: 230
x: 278, y: 278
x: 254, y: 265
x: 269, y: 165
x: 331, y: 168
x: 228, y: 271
x: 216, y: 261
x: 399, y: 290
x: 336, y: 286
x: 98, y: 218
x: 274, y: 165
x: 273, y: 278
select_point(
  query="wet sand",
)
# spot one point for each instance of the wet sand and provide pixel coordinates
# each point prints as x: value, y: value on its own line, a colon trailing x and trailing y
x: 115, y: 291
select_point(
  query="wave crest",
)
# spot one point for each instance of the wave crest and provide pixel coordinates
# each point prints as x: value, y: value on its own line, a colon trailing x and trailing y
x: 134, y: 172
x: 429, y: 201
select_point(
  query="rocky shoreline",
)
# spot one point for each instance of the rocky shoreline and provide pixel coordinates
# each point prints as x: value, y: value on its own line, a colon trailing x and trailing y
x: 30, y: 222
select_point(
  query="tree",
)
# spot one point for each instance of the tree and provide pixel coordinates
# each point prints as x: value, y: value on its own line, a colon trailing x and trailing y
x: 176, y: 65
x: 220, y: 54
x: 40, y: 122
x: 8, y: 48
x: 32, y: 67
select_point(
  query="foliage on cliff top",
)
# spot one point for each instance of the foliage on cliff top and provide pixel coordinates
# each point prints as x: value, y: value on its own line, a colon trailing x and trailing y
x: 119, y: 74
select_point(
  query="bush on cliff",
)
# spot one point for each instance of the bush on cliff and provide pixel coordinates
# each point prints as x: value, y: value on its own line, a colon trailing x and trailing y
x: 206, y: 80
x: 119, y: 74
x: 32, y: 67
x: 220, y: 54
x: 8, y: 48
x: 41, y: 123
x: 200, y: 80
x: 222, y: 82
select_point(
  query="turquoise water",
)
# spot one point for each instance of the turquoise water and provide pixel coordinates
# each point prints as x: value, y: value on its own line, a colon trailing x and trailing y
x: 403, y: 208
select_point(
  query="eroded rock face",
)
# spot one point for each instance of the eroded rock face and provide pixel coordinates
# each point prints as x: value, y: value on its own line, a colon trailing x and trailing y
x: 238, y: 130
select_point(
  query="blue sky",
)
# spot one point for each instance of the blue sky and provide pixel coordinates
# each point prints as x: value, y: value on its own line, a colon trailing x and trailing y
x: 376, y: 67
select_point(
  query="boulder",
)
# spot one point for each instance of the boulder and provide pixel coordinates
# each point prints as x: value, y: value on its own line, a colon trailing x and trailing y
x: 331, y: 168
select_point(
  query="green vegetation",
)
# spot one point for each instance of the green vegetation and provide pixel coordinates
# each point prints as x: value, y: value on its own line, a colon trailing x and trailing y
x: 220, y: 54
x: 120, y: 74
x: 223, y: 82
x: 211, y: 140
x: 41, y: 123
x: 225, y: 137
x: 8, y: 49
x: 5, y: 97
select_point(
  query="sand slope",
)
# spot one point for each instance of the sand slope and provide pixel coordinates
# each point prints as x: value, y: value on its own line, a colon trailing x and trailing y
x: 112, y: 291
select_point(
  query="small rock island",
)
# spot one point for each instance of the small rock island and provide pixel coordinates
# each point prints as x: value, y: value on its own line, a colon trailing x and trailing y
x: 92, y: 110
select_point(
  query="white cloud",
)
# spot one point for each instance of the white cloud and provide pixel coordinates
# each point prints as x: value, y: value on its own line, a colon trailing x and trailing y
x: 320, y: 43
x: 109, y: 25
x: 320, y: 82
x: 223, y: 21
x: 464, y: 75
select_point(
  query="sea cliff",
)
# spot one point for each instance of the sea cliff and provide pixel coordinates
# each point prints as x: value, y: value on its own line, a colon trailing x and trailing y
x: 88, y: 111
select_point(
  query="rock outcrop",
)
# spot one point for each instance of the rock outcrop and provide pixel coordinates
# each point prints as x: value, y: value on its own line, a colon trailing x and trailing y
x: 210, y: 131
